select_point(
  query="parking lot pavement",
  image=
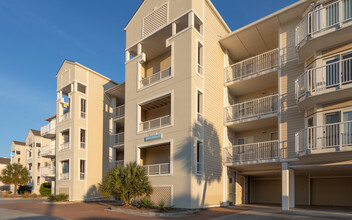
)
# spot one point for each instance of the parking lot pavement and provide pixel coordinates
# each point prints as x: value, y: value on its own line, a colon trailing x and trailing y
x: 6, y: 214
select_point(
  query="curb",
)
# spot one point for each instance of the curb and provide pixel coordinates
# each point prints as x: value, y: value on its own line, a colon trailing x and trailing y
x: 151, y: 213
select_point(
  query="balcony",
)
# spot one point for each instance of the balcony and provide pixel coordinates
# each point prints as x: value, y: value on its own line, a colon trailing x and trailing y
x: 117, y: 163
x: 47, y: 171
x: 155, y: 123
x: 156, y: 77
x: 64, y: 176
x: 333, y: 77
x: 157, y: 169
x: 117, y: 140
x: 48, y: 150
x: 325, y: 26
x: 254, y: 153
x: 48, y: 130
x: 324, y: 138
x: 66, y: 116
x: 64, y: 146
x: 253, y: 73
x: 247, y: 114
x: 119, y: 112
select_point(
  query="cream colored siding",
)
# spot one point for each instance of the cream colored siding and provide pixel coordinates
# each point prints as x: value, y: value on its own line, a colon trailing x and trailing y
x: 265, y: 191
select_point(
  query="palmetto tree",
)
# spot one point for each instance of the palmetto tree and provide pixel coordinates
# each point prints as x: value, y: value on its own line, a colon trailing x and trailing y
x: 126, y: 183
x: 14, y: 174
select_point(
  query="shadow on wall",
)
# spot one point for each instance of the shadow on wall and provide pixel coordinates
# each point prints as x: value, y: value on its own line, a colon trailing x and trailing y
x: 212, y: 162
x: 92, y: 193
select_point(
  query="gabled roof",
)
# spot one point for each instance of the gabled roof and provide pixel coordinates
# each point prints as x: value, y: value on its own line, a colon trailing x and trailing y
x: 4, y: 160
x: 19, y: 143
x: 35, y: 132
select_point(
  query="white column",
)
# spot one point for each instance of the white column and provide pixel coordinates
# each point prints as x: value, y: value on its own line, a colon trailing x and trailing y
x: 173, y: 28
x: 127, y: 53
x: 288, y: 187
x: 139, y: 48
x: 191, y: 19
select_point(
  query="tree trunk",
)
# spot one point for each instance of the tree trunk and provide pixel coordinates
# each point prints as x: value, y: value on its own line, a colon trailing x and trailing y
x: 15, y: 193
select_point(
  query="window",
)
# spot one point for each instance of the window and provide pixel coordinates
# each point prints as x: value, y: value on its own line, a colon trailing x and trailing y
x: 29, y: 154
x: 83, y: 139
x: 199, y: 106
x: 19, y: 160
x: 81, y: 88
x: 38, y: 180
x: 18, y: 152
x: 199, y: 158
x: 38, y: 145
x: 82, y: 169
x: 29, y: 166
x: 38, y: 153
x: 65, y: 170
x: 83, y: 108
x: 200, y: 59
x: 38, y: 167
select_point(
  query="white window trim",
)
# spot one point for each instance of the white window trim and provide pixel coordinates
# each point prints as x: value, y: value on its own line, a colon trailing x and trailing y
x: 79, y: 169
x: 60, y: 169
x: 202, y: 60
x: 79, y: 145
x: 80, y: 108
x: 197, y: 140
x: 202, y: 113
x: 60, y: 139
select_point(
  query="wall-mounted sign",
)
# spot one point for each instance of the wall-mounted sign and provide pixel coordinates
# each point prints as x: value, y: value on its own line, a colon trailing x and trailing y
x: 153, y: 137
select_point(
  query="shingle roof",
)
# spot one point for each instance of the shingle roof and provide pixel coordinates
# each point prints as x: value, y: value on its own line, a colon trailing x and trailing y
x: 4, y: 160
x: 35, y: 132
x: 19, y: 143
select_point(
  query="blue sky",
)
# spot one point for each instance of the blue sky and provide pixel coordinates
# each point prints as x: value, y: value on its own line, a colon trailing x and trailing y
x: 37, y: 35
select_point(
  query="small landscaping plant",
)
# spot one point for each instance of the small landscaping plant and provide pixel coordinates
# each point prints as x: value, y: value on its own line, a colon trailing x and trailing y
x: 9, y: 192
x: 34, y: 195
x: 45, y: 189
x: 145, y: 203
x: 23, y: 189
x: 126, y: 183
x: 26, y: 194
x: 163, y: 208
x: 58, y: 198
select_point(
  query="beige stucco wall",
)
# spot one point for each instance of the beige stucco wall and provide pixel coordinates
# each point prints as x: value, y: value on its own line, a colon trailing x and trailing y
x: 22, y: 156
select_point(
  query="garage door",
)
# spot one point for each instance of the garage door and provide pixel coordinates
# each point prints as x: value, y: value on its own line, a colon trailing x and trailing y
x: 265, y: 191
x: 331, y: 191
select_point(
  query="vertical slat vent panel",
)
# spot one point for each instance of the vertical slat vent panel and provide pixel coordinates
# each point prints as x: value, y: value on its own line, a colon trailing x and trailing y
x: 155, y: 20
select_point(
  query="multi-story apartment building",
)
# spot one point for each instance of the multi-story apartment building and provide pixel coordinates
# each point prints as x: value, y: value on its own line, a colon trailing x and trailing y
x: 18, y: 152
x: 3, y: 163
x: 34, y: 160
x: 82, y: 130
x: 276, y: 121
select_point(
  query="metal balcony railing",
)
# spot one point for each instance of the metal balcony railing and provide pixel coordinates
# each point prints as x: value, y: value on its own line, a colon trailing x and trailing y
x: 65, y: 116
x: 115, y: 163
x: 155, y: 123
x: 47, y: 171
x: 48, y: 128
x: 48, y: 150
x: 334, y: 74
x: 260, y: 151
x: 255, y: 108
x: 253, y: 66
x: 64, y: 146
x: 64, y: 176
x: 157, y: 169
x: 117, y: 139
x: 323, y: 18
x: 156, y: 77
x: 335, y: 135
x: 119, y: 112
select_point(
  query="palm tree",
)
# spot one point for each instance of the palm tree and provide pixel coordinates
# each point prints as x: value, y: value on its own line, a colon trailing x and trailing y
x: 14, y: 174
x: 126, y: 183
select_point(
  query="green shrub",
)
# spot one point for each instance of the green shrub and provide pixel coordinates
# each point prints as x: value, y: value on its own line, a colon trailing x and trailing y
x: 22, y: 189
x: 163, y: 208
x: 45, y: 189
x: 145, y: 202
x: 9, y: 192
x: 57, y: 198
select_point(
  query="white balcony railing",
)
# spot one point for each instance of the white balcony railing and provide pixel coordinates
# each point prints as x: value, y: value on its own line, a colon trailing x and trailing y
x: 268, y: 150
x: 320, y: 78
x: 117, y: 139
x: 47, y: 171
x: 255, y: 108
x: 48, y: 150
x: 48, y: 128
x: 252, y: 67
x: 155, y: 123
x: 65, y: 116
x: 115, y: 163
x: 323, y: 18
x: 83, y: 145
x: 156, y: 77
x: 64, y: 176
x: 157, y: 169
x: 319, y: 137
x: 119, y: 112
x: 64, y: 146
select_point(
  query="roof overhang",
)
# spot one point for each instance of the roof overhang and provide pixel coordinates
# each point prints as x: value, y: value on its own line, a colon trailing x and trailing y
x: 50, y: 118
x: 261, y: 35
x: 117, y: 91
